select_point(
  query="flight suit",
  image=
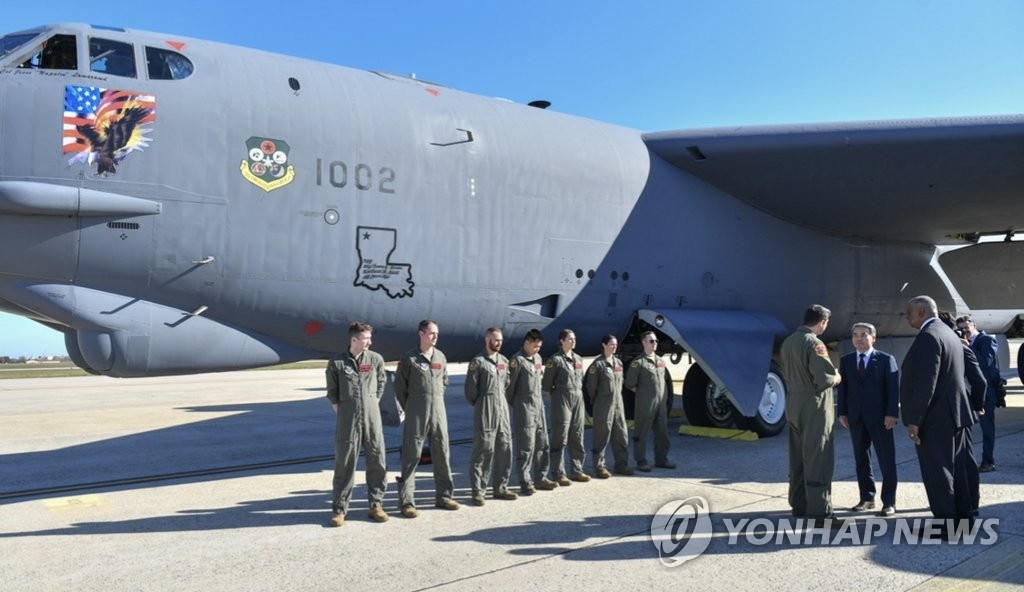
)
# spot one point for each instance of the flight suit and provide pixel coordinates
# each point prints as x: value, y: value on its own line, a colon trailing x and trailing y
x: 810, y: 414
x: 563, y: 378
x: 420, y: 384
x: 529, y: 427
x: 486, y: 383
x: 355, y: 385
x: 604, y: 387
x: 646, y: 377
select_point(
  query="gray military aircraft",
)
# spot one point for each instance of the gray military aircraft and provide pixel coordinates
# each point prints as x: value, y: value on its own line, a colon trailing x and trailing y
x: 175, y: 206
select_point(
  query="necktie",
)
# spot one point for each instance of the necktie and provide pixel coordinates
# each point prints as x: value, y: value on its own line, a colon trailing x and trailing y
x: 860, y: 366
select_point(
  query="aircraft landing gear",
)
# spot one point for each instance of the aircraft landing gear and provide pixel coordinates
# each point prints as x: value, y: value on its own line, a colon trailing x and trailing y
x: 706, y: 404
x: 771, y: 411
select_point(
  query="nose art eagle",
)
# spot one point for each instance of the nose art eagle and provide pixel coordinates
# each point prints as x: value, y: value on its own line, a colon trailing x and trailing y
x: 107, y: 142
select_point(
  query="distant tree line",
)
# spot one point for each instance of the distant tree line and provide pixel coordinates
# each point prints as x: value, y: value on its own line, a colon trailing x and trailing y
x: 26, y: 359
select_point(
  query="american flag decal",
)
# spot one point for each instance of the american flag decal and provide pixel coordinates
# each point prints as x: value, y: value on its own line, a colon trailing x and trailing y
x: 105, y: 125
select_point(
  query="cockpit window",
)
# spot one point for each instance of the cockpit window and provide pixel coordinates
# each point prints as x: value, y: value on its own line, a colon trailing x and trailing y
x: 56, y: 53
x: 111, y: 57
x: 164, y: 64
x: 9, y: 43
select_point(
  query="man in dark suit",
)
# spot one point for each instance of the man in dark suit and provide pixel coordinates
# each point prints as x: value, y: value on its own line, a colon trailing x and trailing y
x: 976, y: 387
x: 985, y: 350
x: 974, y: 407
x: 868, y: 403
x: 933, y: 398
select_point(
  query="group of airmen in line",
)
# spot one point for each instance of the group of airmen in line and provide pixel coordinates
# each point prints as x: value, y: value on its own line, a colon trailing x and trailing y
x: 494, y: 385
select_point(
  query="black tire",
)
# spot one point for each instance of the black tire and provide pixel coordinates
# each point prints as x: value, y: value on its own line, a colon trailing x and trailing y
x: 770, y: 418
x: 699, y: 404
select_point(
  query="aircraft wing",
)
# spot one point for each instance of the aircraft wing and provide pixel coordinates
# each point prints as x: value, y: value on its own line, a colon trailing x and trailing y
x: 927, y: 180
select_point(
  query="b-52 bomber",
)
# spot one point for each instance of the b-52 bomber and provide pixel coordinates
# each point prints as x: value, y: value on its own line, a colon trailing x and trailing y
x: 174, y: 206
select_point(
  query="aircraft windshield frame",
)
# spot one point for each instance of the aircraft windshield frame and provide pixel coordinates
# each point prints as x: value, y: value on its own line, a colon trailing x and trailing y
x: 14, y: 41
x: 164, y: 64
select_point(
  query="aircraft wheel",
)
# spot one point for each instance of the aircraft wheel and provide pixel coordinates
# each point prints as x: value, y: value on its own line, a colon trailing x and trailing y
x: 771, y: 412
x: 704, y: 402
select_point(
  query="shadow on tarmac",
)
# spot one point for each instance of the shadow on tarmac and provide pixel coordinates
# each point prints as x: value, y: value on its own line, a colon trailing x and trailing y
x: 258, y: 432
x: 588, y: 539
x: 613, y: 537
x: 279, y: 431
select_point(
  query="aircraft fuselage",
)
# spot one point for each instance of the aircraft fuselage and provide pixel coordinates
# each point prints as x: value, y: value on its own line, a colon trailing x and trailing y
x: 295, y: 197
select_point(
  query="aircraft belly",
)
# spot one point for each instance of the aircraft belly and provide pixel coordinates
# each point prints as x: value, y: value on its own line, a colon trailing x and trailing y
x: 885, y: 277
x: 972, y: 268
x: 687, y: 245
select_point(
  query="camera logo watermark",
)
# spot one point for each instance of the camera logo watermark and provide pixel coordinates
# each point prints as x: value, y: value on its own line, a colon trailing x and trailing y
x: 903, y: 531
x: 682, y: 530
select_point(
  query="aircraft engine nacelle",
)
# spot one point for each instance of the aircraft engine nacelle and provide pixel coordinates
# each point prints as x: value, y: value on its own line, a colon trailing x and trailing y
x: 126, y: 337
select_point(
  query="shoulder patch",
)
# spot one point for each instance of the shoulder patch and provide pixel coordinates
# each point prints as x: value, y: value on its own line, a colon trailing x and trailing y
x: 819, y: 348
x: 550, y: 364
x: 636, y: 363
x: 472, y: 366
x: 514, y: 363
x: 593, y: 369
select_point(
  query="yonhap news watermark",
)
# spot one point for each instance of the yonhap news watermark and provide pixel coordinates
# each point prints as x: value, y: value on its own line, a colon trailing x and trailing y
x: 682, y: 530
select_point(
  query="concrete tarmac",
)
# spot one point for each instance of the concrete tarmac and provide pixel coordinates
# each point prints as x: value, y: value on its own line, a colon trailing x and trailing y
x: 264, y: 528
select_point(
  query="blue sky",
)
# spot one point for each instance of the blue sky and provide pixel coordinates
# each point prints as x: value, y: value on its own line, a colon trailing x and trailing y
x: 654, y: 65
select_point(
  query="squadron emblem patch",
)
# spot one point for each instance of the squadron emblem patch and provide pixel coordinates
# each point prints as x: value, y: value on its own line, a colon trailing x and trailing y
x: 267, y: 164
